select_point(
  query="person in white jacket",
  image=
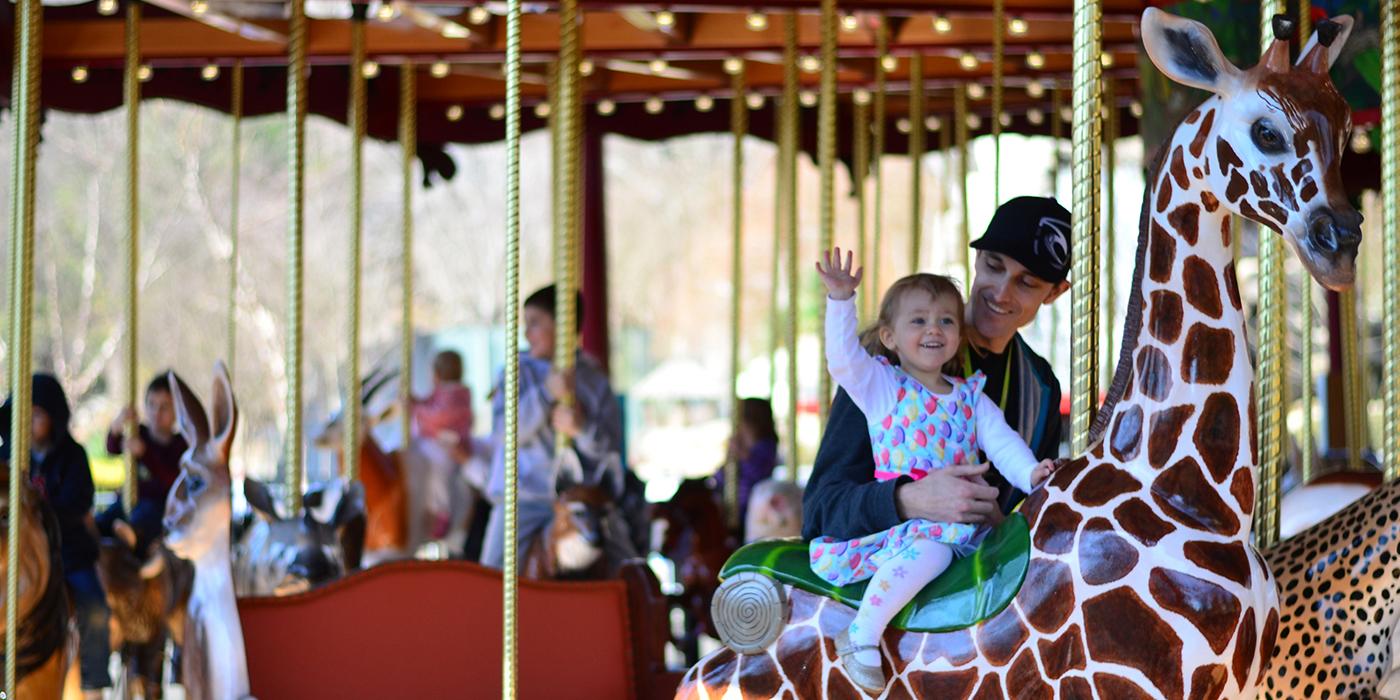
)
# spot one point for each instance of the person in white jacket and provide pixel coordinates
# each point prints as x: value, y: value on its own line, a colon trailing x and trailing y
x: 921, y: 418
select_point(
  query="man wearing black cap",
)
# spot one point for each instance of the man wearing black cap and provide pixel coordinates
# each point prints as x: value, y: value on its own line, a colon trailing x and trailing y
x: 1022, y: 265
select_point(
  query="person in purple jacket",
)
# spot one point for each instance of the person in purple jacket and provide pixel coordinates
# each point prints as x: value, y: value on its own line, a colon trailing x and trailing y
x: 754, y: 446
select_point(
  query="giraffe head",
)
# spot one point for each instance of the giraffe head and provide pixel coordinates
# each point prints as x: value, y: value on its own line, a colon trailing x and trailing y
x: 1273, y: 136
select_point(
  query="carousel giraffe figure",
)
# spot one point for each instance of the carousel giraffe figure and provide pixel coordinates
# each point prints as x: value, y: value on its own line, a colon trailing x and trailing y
x: 1142, y: 580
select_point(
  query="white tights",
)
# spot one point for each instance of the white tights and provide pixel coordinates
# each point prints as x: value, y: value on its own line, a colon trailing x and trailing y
x: 894, y: 584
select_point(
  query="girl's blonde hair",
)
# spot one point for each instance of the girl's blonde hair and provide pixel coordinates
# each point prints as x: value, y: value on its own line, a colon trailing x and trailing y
x: 936, y: 286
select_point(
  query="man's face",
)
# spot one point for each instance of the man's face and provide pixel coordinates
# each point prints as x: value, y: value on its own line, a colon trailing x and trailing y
x: 160, y: 411
x: 1005, y: 296
x: 539, y: 333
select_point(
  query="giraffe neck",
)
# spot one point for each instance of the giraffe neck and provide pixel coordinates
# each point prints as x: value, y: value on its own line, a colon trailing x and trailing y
x: 1185, y: 412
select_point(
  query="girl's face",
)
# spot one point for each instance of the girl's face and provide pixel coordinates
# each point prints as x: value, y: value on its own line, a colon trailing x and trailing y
x: 925, y: 333
x: 40, y: 426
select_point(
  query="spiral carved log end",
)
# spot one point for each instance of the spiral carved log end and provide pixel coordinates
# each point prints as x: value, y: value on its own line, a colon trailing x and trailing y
x: 749, y: 611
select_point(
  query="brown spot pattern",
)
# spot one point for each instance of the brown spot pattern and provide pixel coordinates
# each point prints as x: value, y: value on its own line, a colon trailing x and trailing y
x: 1067, y: 473
x: 1267, y: 642
x: 1184, y: 494
x: 1209, y: 201
x: 1118, y: 688
x: 1217, y: 435
x: 1001, y: 637
x: 1104, y: 556
x: 1032, y: 505
x: 1024, y: 681
x: 1164, y: 193
x: 1122, y: 629
x: 906, y: 646
x: 1236, y: 188
x: 1165, y: 318
x: 1202, y: 289
x: 1055, y: 534
x: 1075, y: 688
x: 1161, y: 255
x: 1250, y: 213
x: 1193, y: 116
x: 1275, y: 212
x: 839, y: 687
x: 1047, y: 597
x: 945, y: 684
x: 1178, y: 168
x: 1232, y: 284
x: 1309, y: 190
x: 1208, y: 355
x: 1225, y: 232
x: 1210, y: 608
x: 956, y: 647
x: 1106, y: 482
x: 1253, y: 427
x: 1244, y: 648
x: 1064, y: 654
x: 1283, y: 187
x: 1227, y: 559
x: 1127, y: 434
x: 758, y: 677
x: 1242, y: 488
x: 1208, y: 682
x: 1164, y: 432
x: 1198, y: 144
x: 1301, y: 168
x: 1261, y: 186
x: 1139, y: 520
x: 1226, y: 155
x: 1186, y: 221
x: 796, y: 650
x: 833, y: 618
x: 803, y: 607
x: 990, y: 688
x: 718, y: 671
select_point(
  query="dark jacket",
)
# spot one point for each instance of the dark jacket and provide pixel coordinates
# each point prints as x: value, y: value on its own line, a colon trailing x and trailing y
x: 843, y: 499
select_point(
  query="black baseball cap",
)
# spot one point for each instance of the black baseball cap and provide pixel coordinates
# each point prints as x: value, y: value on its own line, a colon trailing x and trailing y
x: 1033, y: 231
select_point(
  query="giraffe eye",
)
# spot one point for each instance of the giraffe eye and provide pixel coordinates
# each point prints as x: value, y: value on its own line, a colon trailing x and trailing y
x: 1266, y: 138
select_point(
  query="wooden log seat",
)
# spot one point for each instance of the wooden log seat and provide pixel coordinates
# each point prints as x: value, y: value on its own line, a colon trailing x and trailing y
x: 415, y: 629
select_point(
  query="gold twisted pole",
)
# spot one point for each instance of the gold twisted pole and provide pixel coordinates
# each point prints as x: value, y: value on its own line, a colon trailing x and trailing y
x: 917, y: 130
x: 296, y: 191
x: 25, y: 102
x: 826, y: 159
x: 791, y: 114
x: 408, y: 144
x: 1087, y: 139
x: 510, y: 566
x: 860, y: 137
x: 1390, y: 203
x: 775, y: 326
x: 1270, y: 361
x: 945, y: 149
x: 882, y: 48
x: 739, y: 127
x: 1110, y: 300
x: 998, y: 56
x: 964, y: 225
x: 235, y: 173
x: 566, y: 253
x: 351, y: 412
x: 1353, y: 416
x: 1305, y: 287
x: 131, y: 94
x: 1057, y: 133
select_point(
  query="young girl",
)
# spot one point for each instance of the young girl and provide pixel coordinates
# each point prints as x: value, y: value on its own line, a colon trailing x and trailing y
x: 920, y: 419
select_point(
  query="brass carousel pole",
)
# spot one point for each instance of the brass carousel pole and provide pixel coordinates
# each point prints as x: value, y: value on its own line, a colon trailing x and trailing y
x: 512, y: 380
x: 1087, y: 140
x: 296, y: 189
x: 776, y: 334
x: 826, y: 159
x: 1390, y: 203
x: 25, y: 102
x: 408, y: 144
x: 350, y: 425
x: 738, y: 126
x: 916, y: 157
x: 1270, y: 361
x: 878, y: 149
x: 998, y: 55
x: 131, y: 91
x: 565, y: 252
x: 791, y: 115
x: 1306, y: 290
x: 235, y: 171
x: 964, y: 225
x: 860, y: 141
x: 1110, y: 230
x: 1057, y: 128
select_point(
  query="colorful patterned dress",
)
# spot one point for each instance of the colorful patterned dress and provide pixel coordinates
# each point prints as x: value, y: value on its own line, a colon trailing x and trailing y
x: 923, y: 431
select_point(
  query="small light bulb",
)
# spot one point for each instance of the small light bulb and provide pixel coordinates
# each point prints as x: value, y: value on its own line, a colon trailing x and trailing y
x: 942, y: 24
x: 199, y: 7
x: 704, y: 103
x: 385, y: 12
x: 1106, y: 59
x: 1004, y: 119
x: 850, y: 23
x: 754, y: 100
x: 1066, y: 114
x: 542, y: 110
x: 452, y: 30
x: 974, y: 122
x: 733, y: 65
x: 80, y: 74
x: 757, y: 21
x: 479, y: 15
x: 107, y: 7
x: 654, y: 105
x: 1136, y: 109
x: 497, y: 111
x: 933, y: 124
x: 606, y: 107
x: 810, y: 64
x: 665, y: 19
x: 902, y: 125
x: 1035, y: 88
x: 144, y: 73
x: 1035, y: 60
x: 209, y: 72
x: 889, y: 63
x: 439, y: 69
x: 586, y: 67
x: 370, y: 69
x: 861, y: 96
x: 1035, y: 117
x: 967, y: 61
x: 1017, y: 26
x: 1361, y: 141
x: 658, y: 65
x: 454, y: 113
x: 976, y: 91
x: 808, y: 98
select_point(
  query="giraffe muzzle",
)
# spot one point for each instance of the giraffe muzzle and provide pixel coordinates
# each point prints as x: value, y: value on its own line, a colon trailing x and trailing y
x: 1333, y: 233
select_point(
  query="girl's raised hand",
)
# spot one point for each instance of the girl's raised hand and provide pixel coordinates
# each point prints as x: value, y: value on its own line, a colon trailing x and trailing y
x: 840, y: 282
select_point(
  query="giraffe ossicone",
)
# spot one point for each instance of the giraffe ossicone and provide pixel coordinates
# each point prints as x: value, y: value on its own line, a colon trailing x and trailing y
x: 1143, y: 580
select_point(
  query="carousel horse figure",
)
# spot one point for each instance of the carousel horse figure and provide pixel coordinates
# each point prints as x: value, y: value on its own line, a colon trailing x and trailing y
x: 147, y: 592
x: 197, y: 515
x: 690, y: 530
x: 1137, y: 577
x: 588, y: 539
x: 47, y: 638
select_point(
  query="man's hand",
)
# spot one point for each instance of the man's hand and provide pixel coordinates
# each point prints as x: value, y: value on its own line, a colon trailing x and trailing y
x: 560, y: 384
x: 953, y: 495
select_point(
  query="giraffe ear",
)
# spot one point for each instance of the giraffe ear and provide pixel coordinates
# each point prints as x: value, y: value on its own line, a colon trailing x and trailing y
x: 1336, y: 37
x: 1186, y: 51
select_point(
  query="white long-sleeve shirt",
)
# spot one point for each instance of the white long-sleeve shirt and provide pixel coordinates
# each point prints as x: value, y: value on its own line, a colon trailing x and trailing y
x: 874, y: 387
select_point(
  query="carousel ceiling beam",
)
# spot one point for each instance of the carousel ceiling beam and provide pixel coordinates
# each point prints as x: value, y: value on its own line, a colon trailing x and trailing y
x: 1113, y: 10
x: 677, y: 31
x: 448, y: 28
x: 198, y: 10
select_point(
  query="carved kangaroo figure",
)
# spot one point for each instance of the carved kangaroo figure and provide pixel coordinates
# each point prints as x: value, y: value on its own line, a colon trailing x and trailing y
x: 197, y: 517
